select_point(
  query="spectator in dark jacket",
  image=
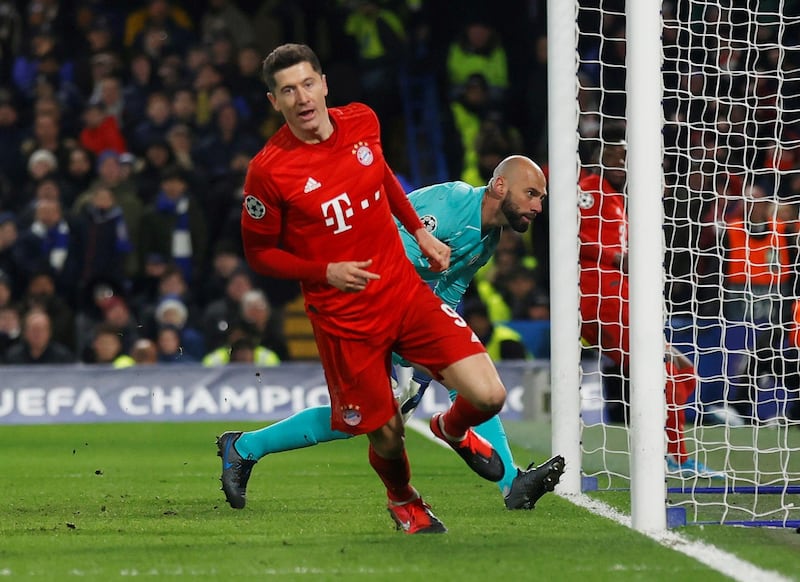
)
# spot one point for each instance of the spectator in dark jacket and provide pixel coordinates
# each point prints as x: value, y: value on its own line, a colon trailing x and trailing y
x: 46, y: 244
x: 8, y: 240
x: 37, y: 345
x: 10, y: 329
x: 220, y: 315
x: 100, y: 243
x: 176, y: 227
x: 41, y: 294
x: 155, y: 125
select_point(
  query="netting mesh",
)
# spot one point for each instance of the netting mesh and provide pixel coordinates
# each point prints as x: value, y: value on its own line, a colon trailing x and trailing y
x: 731, y: 145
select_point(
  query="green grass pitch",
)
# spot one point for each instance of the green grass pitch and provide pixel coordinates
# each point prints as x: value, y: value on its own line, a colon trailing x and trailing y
x: 111, y: 501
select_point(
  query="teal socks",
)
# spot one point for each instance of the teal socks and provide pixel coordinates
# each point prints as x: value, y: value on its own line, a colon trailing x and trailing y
x: 303, y: 429
x: 492, y: 430
x: 313, y: 425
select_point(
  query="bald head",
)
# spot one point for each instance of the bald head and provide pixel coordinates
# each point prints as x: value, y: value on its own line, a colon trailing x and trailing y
x: 518, y: 187
x: 516, y: 167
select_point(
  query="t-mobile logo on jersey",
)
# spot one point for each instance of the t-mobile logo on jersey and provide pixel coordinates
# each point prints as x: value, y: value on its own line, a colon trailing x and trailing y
x: 338, y: 209
x: 341, y: 208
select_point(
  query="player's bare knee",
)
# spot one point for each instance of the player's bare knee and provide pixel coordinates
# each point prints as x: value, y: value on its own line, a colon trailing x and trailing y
x: 492, y: 399
x: 497, y: 398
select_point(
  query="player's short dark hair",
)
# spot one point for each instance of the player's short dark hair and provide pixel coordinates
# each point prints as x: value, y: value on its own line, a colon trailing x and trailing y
x: 612, y: 135
x: 285, y: 56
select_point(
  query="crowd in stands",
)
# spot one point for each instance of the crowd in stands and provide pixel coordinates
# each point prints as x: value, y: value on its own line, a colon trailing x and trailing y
x: 732, y: 146
x: 126, y: 130
x: 731, y: 132
x: 125, y: 134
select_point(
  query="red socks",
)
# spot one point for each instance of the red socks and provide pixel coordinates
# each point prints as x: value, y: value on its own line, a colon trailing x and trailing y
x: 462, y: 416
x: 395, y: 474
x: 681, y: 383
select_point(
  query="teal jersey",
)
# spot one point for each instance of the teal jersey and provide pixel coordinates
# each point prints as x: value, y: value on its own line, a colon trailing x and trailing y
x: 452, y: 213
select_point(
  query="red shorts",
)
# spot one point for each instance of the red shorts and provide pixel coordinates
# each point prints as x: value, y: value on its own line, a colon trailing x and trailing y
x: 428, y: 333
x: 604, y: 318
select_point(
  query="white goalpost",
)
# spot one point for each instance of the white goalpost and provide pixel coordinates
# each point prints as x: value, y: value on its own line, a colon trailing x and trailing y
x: 708, y: 96
x: 563, y: 179
x: 645, y: 259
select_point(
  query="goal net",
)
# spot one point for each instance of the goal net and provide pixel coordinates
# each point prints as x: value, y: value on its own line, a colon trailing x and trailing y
x: 731, y: 161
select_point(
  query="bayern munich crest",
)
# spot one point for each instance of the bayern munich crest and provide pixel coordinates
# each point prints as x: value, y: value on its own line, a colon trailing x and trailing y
x: 363, y: 154
x: 351, y: 415
x: 429, y: 222
x: 255, y: 208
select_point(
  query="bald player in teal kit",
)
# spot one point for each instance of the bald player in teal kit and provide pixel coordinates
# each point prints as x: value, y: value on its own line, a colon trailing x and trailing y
x: 469, y: 220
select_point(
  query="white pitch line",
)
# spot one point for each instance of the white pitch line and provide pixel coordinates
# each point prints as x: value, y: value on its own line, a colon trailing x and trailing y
x: 713, y: 557
x: 724, y: 562
x: 424, y: 429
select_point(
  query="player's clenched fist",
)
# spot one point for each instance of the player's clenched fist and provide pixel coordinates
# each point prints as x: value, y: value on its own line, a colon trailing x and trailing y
x: 437, y: 252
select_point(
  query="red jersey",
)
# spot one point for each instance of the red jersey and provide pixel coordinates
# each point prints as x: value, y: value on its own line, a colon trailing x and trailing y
x: 331, y: 202
x: 106, y: 136
x: 603, y: 228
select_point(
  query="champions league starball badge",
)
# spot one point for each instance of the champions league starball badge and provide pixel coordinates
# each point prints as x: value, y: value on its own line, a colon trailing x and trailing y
x: 255, y: 208
x: 429, y: 222
x: 585, y: 200
x: 351, y: 415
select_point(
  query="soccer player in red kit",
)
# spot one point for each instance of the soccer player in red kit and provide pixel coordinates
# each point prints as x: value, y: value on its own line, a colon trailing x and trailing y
x: 604, y: 293
x: 318, y: 206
